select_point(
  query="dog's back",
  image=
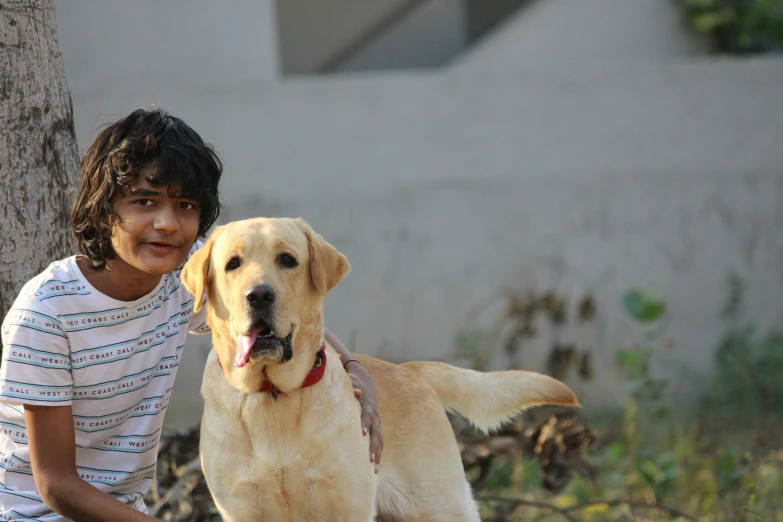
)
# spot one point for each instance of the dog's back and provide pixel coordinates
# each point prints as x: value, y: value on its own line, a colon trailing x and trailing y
x: 421, y: 476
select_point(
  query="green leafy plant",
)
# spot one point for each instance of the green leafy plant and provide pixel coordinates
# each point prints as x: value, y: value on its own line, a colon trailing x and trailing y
x: 748, y: 366
x: 739, y: 26
x: 652, y: 462
x: 636, y: 361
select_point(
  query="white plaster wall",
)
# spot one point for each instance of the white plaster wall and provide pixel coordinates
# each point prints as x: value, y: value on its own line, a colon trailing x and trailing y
x: 581, y: 33
x: 144, y: 45
x: 441, y: 190
x: 312, y: 34
x: 430, y: 36
x: 444, y: 190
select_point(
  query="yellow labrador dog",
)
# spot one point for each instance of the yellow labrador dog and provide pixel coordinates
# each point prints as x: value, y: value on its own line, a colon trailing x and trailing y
x: 280, y: 434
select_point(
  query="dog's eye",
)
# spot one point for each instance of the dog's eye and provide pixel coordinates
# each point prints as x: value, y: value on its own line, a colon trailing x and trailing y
x: 233, y: 264
x: 287, y: 261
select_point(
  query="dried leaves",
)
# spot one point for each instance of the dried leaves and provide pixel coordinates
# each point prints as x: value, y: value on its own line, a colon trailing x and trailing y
x: 180, y: 493
x: 557, y: 440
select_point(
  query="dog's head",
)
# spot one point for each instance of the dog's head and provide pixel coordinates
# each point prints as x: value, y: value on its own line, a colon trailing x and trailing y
x: 265, y: 279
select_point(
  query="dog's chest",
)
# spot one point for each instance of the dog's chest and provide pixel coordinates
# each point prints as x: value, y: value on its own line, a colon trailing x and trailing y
x: 316, y: 463
x: 302, y: 459
x: 306, y: 475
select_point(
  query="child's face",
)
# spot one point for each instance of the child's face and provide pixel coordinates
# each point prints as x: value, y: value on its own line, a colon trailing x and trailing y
x: 154, y: 232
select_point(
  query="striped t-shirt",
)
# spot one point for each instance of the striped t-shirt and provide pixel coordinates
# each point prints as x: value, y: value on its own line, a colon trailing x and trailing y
x: 113, y: 361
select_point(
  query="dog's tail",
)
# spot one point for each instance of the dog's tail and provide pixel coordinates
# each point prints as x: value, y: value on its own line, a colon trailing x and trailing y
x: 489, y: 399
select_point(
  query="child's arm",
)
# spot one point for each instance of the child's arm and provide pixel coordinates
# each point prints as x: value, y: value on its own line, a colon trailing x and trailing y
x: 52, y: 453
x: 364, y: 389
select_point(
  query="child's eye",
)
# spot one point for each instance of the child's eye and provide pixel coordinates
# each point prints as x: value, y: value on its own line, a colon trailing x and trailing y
x: 187, y: 205
x: 143, y: 202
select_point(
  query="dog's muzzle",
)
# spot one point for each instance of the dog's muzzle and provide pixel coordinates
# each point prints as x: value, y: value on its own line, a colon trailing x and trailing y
x: 261, y: 342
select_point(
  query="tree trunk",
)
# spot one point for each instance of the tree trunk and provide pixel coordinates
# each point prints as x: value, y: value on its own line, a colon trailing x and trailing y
x: 39, y: 158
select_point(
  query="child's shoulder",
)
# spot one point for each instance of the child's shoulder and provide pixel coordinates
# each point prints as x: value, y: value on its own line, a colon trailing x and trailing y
x: 61, y: 277
x: 37, y: 299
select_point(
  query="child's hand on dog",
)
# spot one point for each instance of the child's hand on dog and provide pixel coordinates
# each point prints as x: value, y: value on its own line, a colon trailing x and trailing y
x: 364, y: 390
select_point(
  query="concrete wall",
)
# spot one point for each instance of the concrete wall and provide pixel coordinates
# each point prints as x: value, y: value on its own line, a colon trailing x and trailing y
x: 579, y: 33
x: 429, y: 36
x: 350, y: 35
x: 144, y: 45
x: 312, y: 34
x: 447, y: 190
x: 443, y: 190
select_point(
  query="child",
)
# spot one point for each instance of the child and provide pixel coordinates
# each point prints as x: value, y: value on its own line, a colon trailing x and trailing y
x: 92, y: 343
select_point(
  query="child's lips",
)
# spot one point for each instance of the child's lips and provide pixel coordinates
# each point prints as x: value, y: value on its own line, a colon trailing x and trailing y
x: 161, y: 247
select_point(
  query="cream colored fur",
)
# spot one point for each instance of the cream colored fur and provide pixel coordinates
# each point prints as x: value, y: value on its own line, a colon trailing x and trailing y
x: 304, y: 458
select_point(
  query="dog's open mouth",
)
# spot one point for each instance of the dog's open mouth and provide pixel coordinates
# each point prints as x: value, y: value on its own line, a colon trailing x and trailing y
x: 261, y: 340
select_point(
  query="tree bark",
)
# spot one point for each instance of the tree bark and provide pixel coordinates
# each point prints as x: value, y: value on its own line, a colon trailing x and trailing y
x: 39, y: 158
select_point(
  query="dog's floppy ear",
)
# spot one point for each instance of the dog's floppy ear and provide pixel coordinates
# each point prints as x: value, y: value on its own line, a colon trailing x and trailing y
x: 327, y: 265
x: 194, y: 273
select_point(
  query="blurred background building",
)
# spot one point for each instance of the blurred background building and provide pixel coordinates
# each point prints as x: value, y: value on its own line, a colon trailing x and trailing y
x: 467, y: 154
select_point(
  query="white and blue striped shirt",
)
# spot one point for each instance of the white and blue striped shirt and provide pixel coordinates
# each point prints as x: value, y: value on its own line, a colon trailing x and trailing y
x: 114, y: 362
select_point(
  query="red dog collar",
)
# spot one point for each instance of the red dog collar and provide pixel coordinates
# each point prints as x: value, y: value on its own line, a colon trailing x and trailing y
x: 315, y: 375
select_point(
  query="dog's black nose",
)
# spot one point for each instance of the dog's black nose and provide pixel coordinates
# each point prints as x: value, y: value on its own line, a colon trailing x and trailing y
x: 261, y: 296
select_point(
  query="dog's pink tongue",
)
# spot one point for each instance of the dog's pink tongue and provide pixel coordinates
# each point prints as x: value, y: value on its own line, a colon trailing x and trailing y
x: 244, y: 345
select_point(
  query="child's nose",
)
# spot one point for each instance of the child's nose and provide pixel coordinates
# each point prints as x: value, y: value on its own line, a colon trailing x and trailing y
x: 166, y: 219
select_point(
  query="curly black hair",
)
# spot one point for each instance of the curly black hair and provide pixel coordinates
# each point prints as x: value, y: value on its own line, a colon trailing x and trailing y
x: 144, y: 138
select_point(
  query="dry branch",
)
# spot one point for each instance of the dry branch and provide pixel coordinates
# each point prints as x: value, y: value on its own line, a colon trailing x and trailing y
x: 566, y: 511
x: 555, y: 438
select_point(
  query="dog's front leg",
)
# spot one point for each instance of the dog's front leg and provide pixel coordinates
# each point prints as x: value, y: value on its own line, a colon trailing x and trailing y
x: 244, y: 504
x: 353, y: 501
